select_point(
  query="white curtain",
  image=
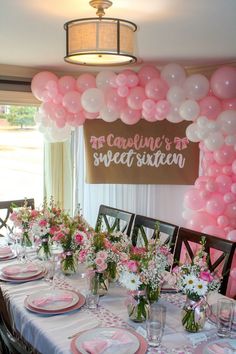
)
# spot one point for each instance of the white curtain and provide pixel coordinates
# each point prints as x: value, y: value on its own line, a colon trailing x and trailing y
x: 164, y: 202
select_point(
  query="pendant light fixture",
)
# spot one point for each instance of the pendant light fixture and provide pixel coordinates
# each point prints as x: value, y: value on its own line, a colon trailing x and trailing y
x: 100, y: 41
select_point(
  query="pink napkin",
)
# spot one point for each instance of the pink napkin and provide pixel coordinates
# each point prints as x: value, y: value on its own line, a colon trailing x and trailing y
x: 5, y: 250
x: 98, y: 346
x: 50, y: 299
x: 16, y: 269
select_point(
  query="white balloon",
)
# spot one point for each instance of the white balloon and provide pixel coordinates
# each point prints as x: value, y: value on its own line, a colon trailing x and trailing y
x: 92, y: 100
x: 196, y: 86
x: 227, y: 121
x: 109, y: 114
x: 175, y: 95
x: 60, y: 134
x: 173, y: 116
x: 202, y: 134
x: 173, y: 74
x: 189, y: 110
x: 230, y: 140
x: 192, y: 133
x: 103, y: 78
x: 214, y: 141
x: 212, y: 126
x: 202, y: 121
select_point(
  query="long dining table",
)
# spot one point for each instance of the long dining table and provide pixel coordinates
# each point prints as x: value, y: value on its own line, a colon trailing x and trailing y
x: 54, y: 334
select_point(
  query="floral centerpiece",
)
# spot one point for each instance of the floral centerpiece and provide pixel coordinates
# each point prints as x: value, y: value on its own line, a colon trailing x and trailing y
x: 196, y: 281
x: 44, y: 226
x: 143, y: 273
x: 71, y: 235
x: 22, y: 219
x: 102, y: 253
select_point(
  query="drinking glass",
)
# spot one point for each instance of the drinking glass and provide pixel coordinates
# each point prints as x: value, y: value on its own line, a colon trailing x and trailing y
x: 155, y: 324
x: 225, y: 310
x: 49, y: 266
x: 92, y: 294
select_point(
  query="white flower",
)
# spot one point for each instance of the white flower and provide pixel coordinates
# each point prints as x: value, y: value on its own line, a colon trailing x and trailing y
x: 189, y: 281
x: 130, y: 280
x: 201, y: 287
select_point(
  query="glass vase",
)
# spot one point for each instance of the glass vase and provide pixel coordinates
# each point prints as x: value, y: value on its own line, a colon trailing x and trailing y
x: 99, y: 283
x: 112, y: 272
x: 44, y: 251
x: 26, y: 240
x: 138, y: 306
x: 69, y: 263
x: 153, y: 295
x: 194, y: 314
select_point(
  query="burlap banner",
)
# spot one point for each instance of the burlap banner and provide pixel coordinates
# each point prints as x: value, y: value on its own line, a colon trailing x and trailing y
x: 144, y: 153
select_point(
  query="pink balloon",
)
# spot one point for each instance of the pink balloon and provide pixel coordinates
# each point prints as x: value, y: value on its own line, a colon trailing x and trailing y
x: 234, y: 167
x: 223, y: 82
x: 232, y: 236
x: 210, y: 107
x: 156, y: 89
x: 130, y: 116
x: 85, y: 81
x: 227, y: 170
x: 58, y: 99
x: 224, y: 183
x: 215, y: 205
x: 233, y: 188
x: 229, y: 104
x: 214, y: 170
x: 59, y: 113
x: 60, y: 123
x: 225, y: 155
x: 211, y: 186
x: 229, y: 198
x: 231, y: 210
x: 201, y: 182
x: 52, y: 88
x: 200, y: 220
x: 121, y: 80
x: 123, y: 91
x: 162, y: 108
x: 114, y: 101
x: 79, y: 119
x: 132, y: 80
x: 213, y: 230
x: 90, y: 115
x: 222, y: 221
x: 136, y: 98
x: 66, y: 84
x: 39, y: 83
x: 149, y: 115
x: 193, y: 200
x: 71, y: 101
x: 148, y: 105
x: 146, y: 73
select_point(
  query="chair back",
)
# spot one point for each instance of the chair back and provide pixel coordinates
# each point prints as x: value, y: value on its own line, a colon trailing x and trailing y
x: 146, y: 227
x: 6, y: 209
x: 220, y: 261
x: 112, y: 219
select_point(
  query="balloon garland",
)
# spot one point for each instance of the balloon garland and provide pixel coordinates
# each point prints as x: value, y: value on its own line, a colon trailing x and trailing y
x: 154, y: 95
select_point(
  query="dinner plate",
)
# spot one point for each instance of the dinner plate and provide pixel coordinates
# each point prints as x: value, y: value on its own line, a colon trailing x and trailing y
x: 21, y: 271
x: 212, y: 311
x: 10, y: 280
x: 220, y: 345
x: 77, y: 306
x: 142, y: 348
x: 6, y: 258
x: 53, y: 300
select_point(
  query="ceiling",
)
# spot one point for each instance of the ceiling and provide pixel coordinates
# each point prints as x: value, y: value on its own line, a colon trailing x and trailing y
x: 189, y: 32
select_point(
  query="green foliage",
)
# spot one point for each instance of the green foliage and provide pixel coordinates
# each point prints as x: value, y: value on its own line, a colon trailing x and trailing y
x: 21, y: 115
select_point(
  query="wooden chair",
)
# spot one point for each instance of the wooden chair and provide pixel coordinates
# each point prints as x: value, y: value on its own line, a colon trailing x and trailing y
x: 6, y: 209
x: 224, y: 256
x: 112, y: 219
x: 145, y: 228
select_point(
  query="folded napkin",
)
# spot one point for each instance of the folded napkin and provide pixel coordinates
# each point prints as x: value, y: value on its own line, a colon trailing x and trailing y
x: 5, y: 250
x: 98, y: 346
x: 46, y: 300
x: 16, y: 269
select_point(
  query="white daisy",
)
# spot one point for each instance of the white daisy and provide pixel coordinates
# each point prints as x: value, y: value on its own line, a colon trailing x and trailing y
x: 130, y: 280
x: 190, y: 281
x: 201, y: 287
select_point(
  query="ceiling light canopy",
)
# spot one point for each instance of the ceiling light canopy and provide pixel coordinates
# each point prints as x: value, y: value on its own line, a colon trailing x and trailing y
x: 100, y: 41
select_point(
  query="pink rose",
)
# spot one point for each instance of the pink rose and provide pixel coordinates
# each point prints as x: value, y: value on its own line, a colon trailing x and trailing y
x: 102, y: 267
x: 107, y: 243
x: 132, y: 265
x: 34, y: 213
x: 102, y: 255
x: 42, y: 223
x: 82, y: 255
x: 206, y: 276
x: 79, y: 238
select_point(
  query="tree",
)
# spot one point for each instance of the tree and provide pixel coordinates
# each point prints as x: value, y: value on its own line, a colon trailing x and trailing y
x: 21, y: 115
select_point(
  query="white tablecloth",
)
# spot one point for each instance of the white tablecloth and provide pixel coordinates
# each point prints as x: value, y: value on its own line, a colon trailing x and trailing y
x: 49, y: 334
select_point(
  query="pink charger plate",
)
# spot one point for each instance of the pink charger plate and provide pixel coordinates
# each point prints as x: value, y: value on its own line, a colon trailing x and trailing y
x: 6, y: 258
x: 31, y: 273
x: 77, y: 306
x: 11, y: 280
x: 143, y: 347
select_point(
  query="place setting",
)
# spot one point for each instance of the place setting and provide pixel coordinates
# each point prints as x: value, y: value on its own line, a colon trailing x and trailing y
x: 6, y: 253
x: 54, y: 301
x: 22, y: 272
